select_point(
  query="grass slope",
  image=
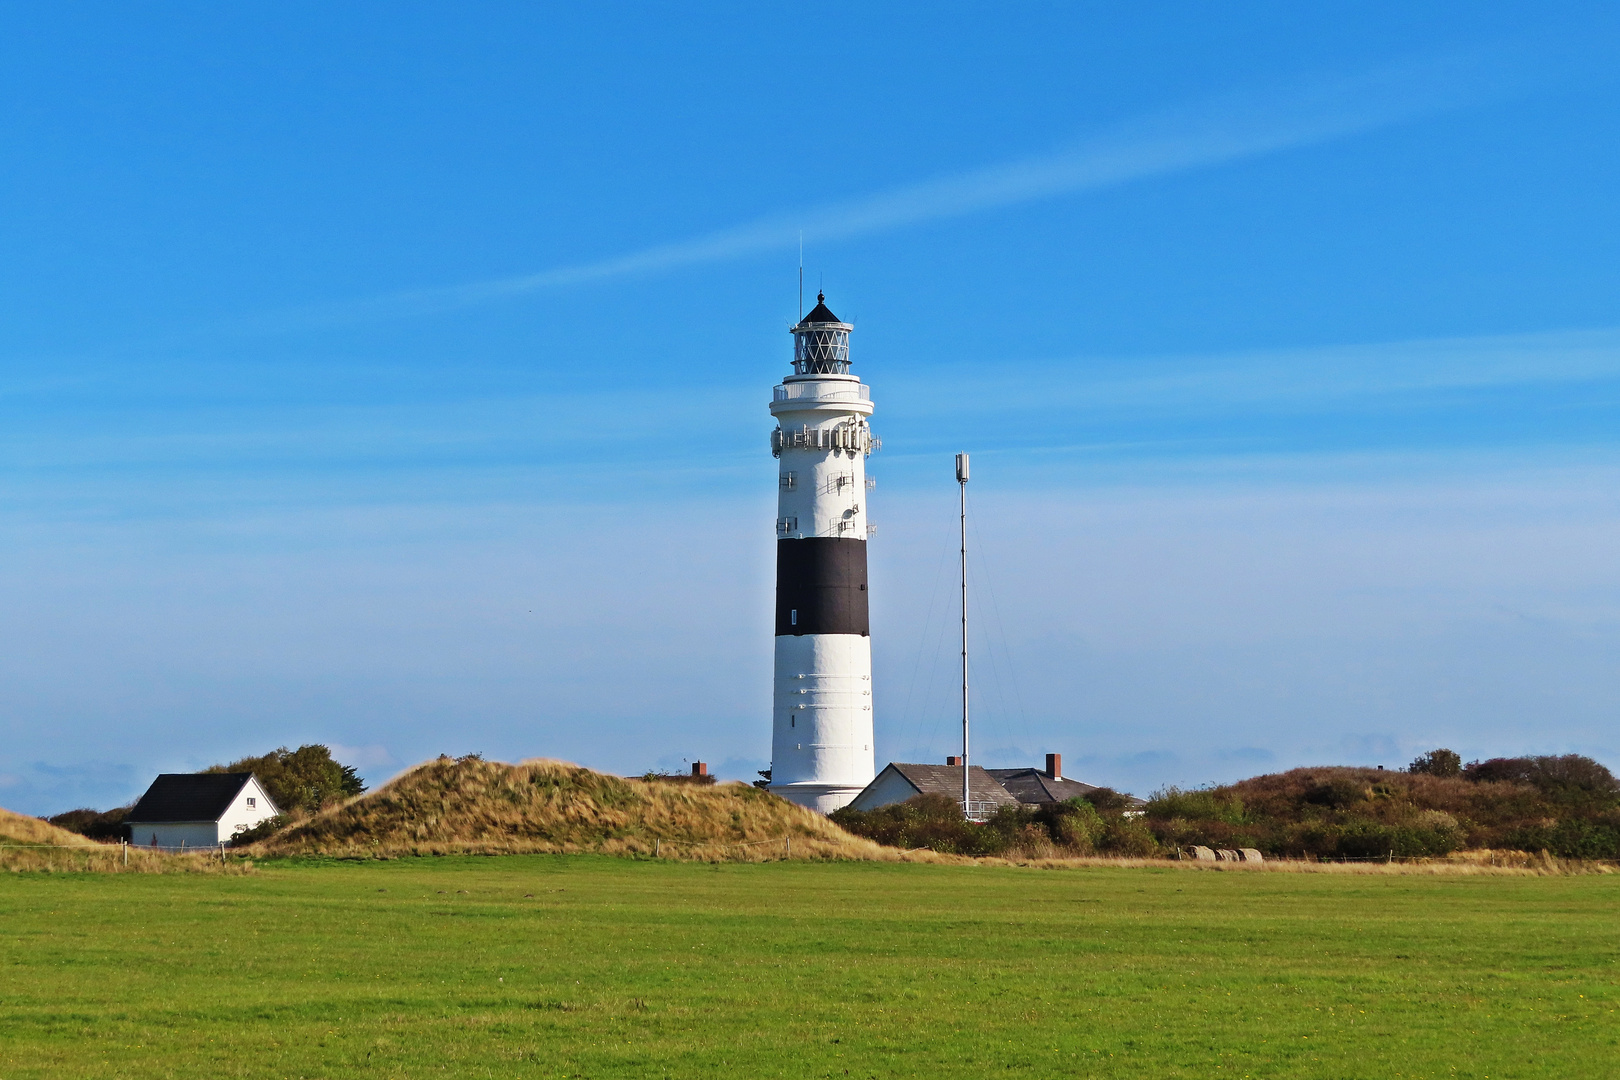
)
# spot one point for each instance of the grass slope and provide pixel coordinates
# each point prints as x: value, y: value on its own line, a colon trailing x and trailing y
x: 21, y: 829
x: 471, y: 805
x: 547, y: 966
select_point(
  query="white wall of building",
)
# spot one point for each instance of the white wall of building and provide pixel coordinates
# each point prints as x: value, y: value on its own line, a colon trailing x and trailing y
x: 250, y: 807
x: 174, y: 834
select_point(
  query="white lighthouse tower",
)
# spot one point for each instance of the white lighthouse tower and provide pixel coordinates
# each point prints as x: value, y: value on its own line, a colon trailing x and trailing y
x: 821, y: 745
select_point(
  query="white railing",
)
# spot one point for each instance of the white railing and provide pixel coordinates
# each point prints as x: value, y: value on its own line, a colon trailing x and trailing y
x: 812, y: 392
x: 974, y: 810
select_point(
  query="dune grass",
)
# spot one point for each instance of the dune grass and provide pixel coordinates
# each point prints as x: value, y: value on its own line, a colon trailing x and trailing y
x: 472, y: 806
x: 551, y: 966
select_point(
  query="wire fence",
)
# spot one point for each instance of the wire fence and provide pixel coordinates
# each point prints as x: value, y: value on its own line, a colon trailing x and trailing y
x: 786, y: 841
x: 122, y: 850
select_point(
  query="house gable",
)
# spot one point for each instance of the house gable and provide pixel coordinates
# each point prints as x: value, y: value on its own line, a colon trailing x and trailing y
x: 888, y: 786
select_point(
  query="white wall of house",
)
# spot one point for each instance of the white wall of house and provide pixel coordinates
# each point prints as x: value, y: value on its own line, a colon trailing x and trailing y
x: 888, y: 787
x: 250, y: 807
x: 173, y: 834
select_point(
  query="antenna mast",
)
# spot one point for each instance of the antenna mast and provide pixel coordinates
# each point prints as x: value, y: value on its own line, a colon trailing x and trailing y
x: 962, y: 481
x: 801, y: 275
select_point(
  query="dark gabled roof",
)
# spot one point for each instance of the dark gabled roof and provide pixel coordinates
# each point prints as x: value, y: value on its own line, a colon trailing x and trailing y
x: 1037, y: 786
x: 189, y: 796
x: 820, y: 313
x: 947, y: 780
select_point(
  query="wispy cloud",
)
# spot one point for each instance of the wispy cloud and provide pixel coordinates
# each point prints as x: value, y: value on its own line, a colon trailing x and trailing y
x: 1202, y: 135
x: 1368, y: 374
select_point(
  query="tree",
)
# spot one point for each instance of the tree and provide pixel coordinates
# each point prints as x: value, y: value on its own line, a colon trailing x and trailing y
x: 300, y: 781
x: 1437, y: 763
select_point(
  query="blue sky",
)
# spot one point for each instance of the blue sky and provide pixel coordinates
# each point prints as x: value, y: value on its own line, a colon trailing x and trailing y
x: 395, y: 377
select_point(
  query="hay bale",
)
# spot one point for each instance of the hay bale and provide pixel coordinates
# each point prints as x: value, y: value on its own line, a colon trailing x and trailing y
x: 1251, y: 854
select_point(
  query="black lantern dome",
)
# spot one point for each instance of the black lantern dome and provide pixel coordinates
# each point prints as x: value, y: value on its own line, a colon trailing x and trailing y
x: 821, y: 342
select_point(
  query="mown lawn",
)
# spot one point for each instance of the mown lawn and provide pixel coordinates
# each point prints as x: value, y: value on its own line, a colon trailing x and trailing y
x: 596, y: 967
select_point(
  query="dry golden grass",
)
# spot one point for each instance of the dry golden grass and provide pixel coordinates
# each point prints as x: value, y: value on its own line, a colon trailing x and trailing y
x: 21, y: 829
x: 29, y: 844
x: 469, y: 805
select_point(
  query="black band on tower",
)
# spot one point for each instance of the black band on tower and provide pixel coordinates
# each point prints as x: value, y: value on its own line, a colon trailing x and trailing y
x: 821, y: 587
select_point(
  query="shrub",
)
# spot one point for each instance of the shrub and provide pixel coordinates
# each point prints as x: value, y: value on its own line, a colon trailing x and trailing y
x: 924, y: 821
x: 1569, y: 839
x: 96, y: 824
x: 1211, y: 804
x: 262, y: 831
x: 935, y: 822
x: 1107, y: 800
x: 1337, y: 792
x: 1074, y: 825
x: 1128, y: 836
x: 1440, y: 762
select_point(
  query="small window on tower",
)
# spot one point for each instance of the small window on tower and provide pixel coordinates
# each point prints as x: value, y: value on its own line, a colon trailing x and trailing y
x: 786, y: 525
x: 790, y: 481
x: 793, y: 617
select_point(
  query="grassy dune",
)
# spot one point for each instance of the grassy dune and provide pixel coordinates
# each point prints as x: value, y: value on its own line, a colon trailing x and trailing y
x: 469, y: 805
x: 581, y: 966
x: 23, y: 830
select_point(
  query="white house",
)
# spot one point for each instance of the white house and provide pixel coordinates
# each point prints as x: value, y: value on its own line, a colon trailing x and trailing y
x: 198, y: 810
x: 901, y: 781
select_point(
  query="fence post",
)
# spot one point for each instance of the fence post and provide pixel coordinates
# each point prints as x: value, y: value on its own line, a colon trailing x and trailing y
x: 788, y: 849
x: 656, y: 846
x: 125, y: 845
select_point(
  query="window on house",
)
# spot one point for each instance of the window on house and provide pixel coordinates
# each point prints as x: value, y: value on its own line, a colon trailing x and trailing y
x: 252, y: 802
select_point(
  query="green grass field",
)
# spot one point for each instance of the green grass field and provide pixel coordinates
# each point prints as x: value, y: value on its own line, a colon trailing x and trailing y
x: 596, y: 967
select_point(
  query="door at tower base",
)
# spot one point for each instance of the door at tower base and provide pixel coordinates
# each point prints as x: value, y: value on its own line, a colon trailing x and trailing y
x: 821, y: 755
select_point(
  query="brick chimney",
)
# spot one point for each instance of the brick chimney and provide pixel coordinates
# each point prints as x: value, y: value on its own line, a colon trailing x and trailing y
x: 953, y: 761
x: 700, y: 768
x: 1054, y: 766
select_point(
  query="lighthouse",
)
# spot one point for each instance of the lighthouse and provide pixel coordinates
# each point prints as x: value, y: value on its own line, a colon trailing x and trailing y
x: 821, y: 738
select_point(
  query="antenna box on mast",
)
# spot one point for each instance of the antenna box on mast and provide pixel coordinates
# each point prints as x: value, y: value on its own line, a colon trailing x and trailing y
x: 961, y: 468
